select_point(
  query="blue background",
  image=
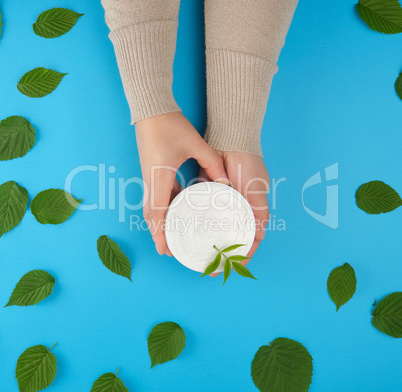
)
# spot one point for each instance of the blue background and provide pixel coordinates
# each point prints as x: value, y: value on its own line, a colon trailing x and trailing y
x: 332, y: 101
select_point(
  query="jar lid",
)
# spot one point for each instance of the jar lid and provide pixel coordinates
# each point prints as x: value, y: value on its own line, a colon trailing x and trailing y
x: 205, y: 215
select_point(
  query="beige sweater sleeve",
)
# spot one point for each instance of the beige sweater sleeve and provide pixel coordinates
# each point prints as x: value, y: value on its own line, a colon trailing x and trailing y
x: 243, y: 41
x: 144, y: 33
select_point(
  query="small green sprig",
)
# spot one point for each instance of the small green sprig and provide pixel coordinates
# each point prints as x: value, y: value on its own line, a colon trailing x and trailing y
x: 230, y: 262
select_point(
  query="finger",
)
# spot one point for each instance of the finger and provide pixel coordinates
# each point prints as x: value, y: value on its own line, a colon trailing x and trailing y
x: 211, y: 162
x: 160, y: 189
x: 255, y: 191
x: 177, y: 188
x: 256, y: 195
x: 203, y: 176
x: 251, y: 252
x: 261, y: 221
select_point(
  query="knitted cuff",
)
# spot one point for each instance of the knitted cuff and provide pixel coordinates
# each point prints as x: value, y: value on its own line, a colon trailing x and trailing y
x: 145, y: 54
x: 238, y: 86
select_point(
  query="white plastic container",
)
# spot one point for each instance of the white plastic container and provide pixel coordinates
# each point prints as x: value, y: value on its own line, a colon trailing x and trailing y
x: 204, y: 215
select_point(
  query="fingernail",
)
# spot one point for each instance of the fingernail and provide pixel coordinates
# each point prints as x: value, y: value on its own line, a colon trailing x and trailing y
x: 224, y: 181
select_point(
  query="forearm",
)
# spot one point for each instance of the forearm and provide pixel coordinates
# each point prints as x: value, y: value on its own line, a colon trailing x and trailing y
x: 243, y: 42
x: 143, y: 33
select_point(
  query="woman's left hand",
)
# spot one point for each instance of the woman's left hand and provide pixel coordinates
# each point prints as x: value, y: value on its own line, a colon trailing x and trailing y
x: 248, y: 175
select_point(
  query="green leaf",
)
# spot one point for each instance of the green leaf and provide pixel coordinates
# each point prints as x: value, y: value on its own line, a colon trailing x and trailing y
x: 165, y: 342
x: 341, y: 284
x: 227, y: 268
x: 398, y: 85
x: 284, y: 365
x: 213, y: 266
x: 376, y: 197
x: 39, y: 82
x: 242, y: 270
x: 55, y: 22
x: 17, y: 137
x: 113, y: 258
x: 108, y: 382
x: 384, y: 16
x: 238, y: 258
x: 32, y: 288
x: 387, y: 315
x: 36, y: 369
x: 1, y: 24
x: 13, y: 204
x: 232, y: 247
x: 53, y: 206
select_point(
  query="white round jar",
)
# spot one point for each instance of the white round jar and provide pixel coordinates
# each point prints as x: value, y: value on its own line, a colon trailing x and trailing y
x: 205, y: 215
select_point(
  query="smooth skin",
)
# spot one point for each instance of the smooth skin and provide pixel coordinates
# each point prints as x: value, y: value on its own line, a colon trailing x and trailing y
x: 164, y: 143
x: 169, y: 140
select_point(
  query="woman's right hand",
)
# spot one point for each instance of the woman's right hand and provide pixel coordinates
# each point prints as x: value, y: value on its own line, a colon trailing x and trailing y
x: 164, y: 143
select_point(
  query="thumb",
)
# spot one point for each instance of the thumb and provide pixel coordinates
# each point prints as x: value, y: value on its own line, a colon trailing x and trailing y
x: 212, y: 163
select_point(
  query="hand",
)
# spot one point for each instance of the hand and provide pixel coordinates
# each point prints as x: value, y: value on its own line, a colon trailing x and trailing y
x: 248, y: 175
x: 164, y: 143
